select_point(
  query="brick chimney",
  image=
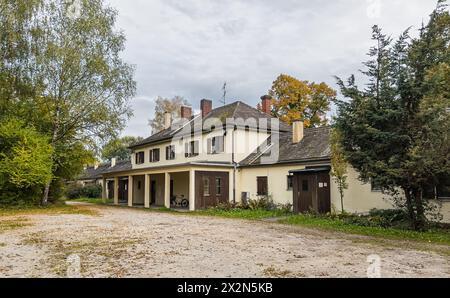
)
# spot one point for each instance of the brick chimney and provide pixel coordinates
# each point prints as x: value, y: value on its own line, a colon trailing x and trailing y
x: 266, y: 104
x: 206, y: 107
x: 167, y: 120
x: 186, y: 112
x: 297, y: 131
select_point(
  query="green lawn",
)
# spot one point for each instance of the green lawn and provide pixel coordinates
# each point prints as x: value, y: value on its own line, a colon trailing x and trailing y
x: 98, y: 201
x: 440, y: 236
x: 52, y: 209
x: 242, y: 213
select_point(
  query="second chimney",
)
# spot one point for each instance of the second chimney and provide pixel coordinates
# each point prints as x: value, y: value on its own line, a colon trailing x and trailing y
x: 186, y: 112
x: 113, y: 162
x: 266, y: 104
x: 206, y: 107
x: 167, y: 120
x: 297, y: 131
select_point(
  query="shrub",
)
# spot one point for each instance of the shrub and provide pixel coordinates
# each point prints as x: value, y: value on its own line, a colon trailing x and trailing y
x: 93, y: 191
x: 262, y: 203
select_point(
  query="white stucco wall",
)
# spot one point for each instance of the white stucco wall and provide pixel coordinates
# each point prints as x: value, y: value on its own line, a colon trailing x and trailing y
x: 358, y: 198
x: 245, y: 143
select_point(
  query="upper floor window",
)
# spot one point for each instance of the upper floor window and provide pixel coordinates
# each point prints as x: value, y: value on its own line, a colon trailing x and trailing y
x: 170, y: 152
x: 191, y: 149
x: 154, y: 155
x: 216, y: 145
x: 140, y: 157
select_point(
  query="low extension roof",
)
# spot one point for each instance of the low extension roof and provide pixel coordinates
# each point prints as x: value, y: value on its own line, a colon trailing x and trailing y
x: 314, y: 146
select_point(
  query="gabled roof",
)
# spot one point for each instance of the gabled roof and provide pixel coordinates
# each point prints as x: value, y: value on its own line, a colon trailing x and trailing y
x: 315, y: 145
x: 237, y: 113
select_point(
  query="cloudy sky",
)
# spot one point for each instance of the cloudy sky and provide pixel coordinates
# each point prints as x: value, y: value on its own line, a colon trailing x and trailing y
x: 191, y: 47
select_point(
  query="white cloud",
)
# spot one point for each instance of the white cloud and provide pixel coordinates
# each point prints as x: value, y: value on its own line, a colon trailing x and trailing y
x: 190, y: 47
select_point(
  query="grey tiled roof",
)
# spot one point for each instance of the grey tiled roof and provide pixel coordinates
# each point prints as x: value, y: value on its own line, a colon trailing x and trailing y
x: 92, y: 173
x: 120, y: 166
x: 234, y: 111
x: 314, y: 146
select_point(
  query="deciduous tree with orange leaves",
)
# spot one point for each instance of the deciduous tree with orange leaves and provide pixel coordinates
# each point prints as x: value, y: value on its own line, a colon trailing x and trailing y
x: 294, y: 99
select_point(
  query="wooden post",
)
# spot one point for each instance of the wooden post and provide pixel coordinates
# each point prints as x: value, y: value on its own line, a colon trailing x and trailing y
x: 147, y: 191
x: 191, y: 190
x: 104, y: 190
x: 130, y: 191
x: 167, y: 190
x: 116, y: 190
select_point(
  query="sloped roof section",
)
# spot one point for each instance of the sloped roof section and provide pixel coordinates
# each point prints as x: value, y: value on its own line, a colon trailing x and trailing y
x: 314, y: 146
x: 237, y: 113
x: 92, y: 173
x: 121, y: 166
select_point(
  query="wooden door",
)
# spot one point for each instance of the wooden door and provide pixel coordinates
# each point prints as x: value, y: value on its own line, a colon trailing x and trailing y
x: 303, y: 193
x: 323, y: 193
x: 123, y: 190
x: 312, y: 192
x: 211, y: 189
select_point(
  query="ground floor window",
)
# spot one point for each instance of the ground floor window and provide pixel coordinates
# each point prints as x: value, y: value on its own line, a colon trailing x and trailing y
x: 206, y: 191
x: 290, y: 181
x: 218, y: 186
x: 262, y: 186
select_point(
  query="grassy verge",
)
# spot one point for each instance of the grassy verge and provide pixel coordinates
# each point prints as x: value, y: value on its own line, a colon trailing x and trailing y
x: 242, y: 213
x: 7, y: 225
x: 53, y: 209
x: 93, y: 201
x: 438, y: 236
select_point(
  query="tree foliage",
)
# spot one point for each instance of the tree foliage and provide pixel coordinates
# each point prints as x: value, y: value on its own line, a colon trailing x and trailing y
x: 294, y: 99
x: 338, y: 164
x: 64, y: 75
x: 395, y: 132
x: 163, y: 105
x: 25, y: 161
x: 119, y: 148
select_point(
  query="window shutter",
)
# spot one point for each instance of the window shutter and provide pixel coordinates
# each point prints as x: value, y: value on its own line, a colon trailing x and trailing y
x: 196, y: 147
x: 209, y: 146
x: 167, y: 153
x: 151, y: 156
x: 186, y: 149
x: 220, y: 144
x: 157, y: 151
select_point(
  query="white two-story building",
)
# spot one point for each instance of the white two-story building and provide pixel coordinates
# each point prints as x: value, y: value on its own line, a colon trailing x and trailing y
x: 232, y: 153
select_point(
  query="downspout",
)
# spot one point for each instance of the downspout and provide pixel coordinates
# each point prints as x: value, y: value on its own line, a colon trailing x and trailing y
x: 234, y: 166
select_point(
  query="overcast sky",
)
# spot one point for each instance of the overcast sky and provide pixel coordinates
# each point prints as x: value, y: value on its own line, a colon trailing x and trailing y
x: 191, y: 47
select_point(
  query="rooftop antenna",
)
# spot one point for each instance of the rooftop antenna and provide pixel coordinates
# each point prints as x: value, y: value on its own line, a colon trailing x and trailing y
x: 224, y: 94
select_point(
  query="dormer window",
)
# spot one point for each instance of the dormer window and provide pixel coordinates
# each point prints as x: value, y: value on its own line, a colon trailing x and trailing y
x: 216, y: 145
x: 140, y: 157
x: 154, y: 155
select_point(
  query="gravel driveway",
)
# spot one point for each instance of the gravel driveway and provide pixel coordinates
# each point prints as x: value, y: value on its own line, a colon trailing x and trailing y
x: 122, y: 242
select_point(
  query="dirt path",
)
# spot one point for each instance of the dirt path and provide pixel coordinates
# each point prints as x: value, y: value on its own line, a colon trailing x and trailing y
x: 121, y: 242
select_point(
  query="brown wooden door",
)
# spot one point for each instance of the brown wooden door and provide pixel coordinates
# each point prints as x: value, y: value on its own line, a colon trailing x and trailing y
x: 304, y: 193
x: 211, y: 189
x: 323, y: 193
x: 311, y: 191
